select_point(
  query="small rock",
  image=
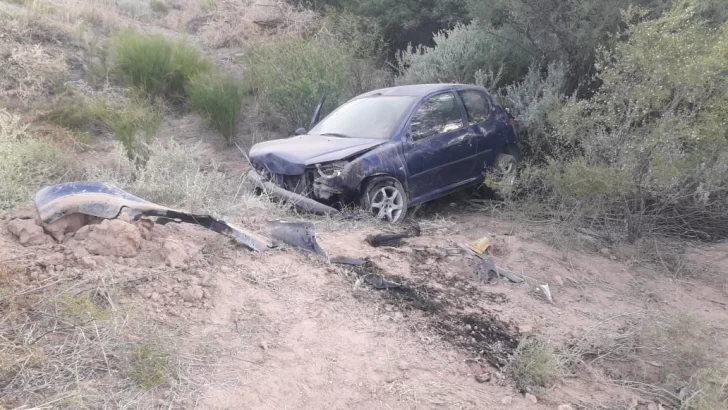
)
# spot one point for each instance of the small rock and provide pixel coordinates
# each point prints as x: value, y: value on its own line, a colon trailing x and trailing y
x: 206, y: 294
x: 507, y: 400
x: 525, y: 329
x: 154, y: 296
x: 89, y: 262
x: 28, y: 211
x: 54, y: 259
x: 113, y: 237
x: 652, y: 406
x: 34, y: 275
x: 565, y: 407
x: 403, y: 366
x: 604, y: 251
x: 531, y: 398
x: 27, y: 231
x: 482, y: 378
x: 82, y: 233
x: 264, y: 345
x: 65, y: 225
x: 558, y: 280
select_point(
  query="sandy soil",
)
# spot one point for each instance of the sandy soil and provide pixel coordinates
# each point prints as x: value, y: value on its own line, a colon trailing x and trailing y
x: 290, y: 330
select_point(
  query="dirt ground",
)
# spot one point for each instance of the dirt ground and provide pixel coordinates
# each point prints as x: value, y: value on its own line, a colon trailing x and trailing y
x: 290, y: 330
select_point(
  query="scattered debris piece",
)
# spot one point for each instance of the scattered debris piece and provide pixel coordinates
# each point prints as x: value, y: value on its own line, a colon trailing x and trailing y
x: 393, y: 239
x: 108, y: 202
x: 531, y: 398
x: 489, y: 265
x: 97, y: 199
x: 507, y: 400
x: 480, y: 246
x: 546, y: 292
x: 482, y: 378
x: 296, y: 233
x: 379, y: 282
x: 345, y: 260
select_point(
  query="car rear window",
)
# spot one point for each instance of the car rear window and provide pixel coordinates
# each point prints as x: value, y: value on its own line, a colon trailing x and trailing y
x: 476, y: 105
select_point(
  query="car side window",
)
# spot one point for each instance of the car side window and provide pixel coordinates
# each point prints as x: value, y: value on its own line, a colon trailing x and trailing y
x: 476, y: 105
x: 439, y: 114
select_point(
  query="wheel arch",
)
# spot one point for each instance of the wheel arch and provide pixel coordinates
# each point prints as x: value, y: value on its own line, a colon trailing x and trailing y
x: 512, y: 149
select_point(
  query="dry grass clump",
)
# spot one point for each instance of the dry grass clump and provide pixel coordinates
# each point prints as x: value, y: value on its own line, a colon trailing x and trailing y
x: 535, y: 364
x: 28, y: 163
x: 673, y: 358
x: 68, y: 347
x: 32, y: 58
x: 230, y: 23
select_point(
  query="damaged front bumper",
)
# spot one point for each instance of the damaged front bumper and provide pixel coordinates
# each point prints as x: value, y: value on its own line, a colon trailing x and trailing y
x: 300, y: 201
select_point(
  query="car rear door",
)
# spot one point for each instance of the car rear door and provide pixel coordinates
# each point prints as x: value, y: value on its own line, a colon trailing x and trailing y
x: 440, y: 151
x: 482, y: 122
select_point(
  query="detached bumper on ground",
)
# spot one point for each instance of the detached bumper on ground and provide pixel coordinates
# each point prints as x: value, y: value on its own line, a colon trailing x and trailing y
x: 299, y: 201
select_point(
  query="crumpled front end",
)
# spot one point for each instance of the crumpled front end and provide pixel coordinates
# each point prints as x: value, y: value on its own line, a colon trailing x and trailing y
x: 321, y: 182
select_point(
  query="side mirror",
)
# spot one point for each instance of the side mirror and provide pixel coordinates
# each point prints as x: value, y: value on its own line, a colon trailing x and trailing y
x: 300, y: 131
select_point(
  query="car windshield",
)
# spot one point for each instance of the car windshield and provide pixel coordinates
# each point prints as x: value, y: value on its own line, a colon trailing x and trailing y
x: 370, y: 117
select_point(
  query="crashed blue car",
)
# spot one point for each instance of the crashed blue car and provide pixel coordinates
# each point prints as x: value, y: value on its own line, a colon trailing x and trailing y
x: 393, y: 148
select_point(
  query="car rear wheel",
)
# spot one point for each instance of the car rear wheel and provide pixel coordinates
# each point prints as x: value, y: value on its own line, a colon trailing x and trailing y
x: 506, y: 168
x: 385, y: 199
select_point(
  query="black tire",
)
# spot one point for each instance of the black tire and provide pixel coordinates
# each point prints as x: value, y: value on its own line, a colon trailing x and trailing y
x: 380, y: 190
x: 505, y: 169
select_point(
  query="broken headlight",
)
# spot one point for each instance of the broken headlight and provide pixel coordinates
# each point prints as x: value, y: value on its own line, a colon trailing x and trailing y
x: 330, y: 170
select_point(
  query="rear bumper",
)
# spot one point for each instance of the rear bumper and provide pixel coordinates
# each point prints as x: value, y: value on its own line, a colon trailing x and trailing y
x: 299, y: 201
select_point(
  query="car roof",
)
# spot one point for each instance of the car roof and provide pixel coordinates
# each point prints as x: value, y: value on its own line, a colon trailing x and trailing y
x: 417, y: 90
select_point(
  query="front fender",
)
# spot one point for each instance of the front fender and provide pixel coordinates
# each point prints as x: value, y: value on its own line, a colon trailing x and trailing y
x: 384, y: 160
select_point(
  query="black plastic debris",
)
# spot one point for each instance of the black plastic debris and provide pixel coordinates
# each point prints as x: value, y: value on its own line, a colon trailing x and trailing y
x: 345, y: 260
x: 393, y: 239
x: 296, y: 233
x: 379, y: 282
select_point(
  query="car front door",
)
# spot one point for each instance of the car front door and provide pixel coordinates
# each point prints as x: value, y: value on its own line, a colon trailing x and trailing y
x: 439, y: 149
x: 481, y: 122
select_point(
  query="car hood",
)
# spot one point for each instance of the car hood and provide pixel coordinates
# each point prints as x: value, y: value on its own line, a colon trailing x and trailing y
x: 291, y: 156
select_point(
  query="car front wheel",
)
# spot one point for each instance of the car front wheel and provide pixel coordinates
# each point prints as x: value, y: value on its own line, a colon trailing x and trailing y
x: 384, y: 198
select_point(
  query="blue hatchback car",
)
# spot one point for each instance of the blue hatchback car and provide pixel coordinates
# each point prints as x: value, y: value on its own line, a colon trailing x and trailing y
x: 393, y: 148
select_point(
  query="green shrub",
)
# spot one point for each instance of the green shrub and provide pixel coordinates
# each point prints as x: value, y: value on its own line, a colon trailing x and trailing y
x: 219, y: 99
x: 533, y: 101
x: 458, y: 54
x: 158, y: 6
x: 535, y: 363
x: 71, y: 111
x: 156, y: 65
x: 134, y: 123
x: 650, y: 148
x: 150, y: 366
x: 291, y: 74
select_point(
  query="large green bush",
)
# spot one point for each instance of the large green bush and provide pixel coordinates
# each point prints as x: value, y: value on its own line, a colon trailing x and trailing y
x: 219, y: 99
x: 533, y: 101
x: 156, y: 65
x: 290, y: 74
x: 402, y: 22
x: 460, y: 53
x: 134, y: 123
x: 652, y: 142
